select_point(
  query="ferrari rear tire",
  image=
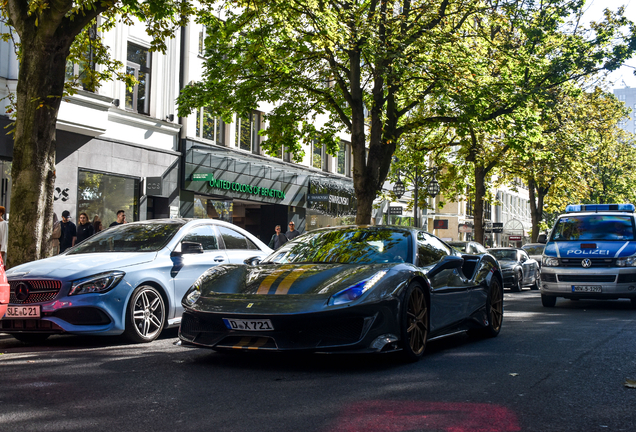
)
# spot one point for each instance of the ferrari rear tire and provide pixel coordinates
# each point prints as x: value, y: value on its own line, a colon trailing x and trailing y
x: 31, y: 338
x: 145, y: 315
x: 414, y: 322
x: 548, y: 301
x: 494, y: 312
x: 519, y: 280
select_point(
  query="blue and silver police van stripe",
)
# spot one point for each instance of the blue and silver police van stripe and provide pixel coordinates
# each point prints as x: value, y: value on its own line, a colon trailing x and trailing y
x: 591, y: 253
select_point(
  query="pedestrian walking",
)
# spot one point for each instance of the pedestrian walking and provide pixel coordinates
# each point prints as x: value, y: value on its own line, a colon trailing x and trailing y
x: 55, y: 235
x: 278, y: 239
x: 97, y: 226
x: 69, y: 232
x: 4, y: 235
x: 121, y: 219
x: 84, y: 228
x: 291, y: 233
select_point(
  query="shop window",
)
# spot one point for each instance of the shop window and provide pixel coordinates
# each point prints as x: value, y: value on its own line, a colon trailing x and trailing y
x: 318, y: 156
x: 210, y: 127
x: 104, y: 195
x: 205, y: 208
x: 235, y: 240
x: 247, y: 132
x: 138, y: 65
x: 344, y: 157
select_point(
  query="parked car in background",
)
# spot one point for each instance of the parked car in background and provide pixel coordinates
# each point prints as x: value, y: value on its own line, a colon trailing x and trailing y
x: 128, y: 279
x: 534, y: 251
x: 4, y: 290
x: 518, y: 268
x: 366, y: 289
x: 470, y: 247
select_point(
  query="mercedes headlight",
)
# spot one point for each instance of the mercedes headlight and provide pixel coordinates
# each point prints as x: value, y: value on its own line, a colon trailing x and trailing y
x: 355, y: 291
x: 629, y: 261
x: 550, y: 261
x: 99, y: 283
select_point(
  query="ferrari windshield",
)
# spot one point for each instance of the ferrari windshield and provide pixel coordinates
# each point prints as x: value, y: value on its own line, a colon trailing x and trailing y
x: 504, y: 254
x: 593, y: 227
x: 134, y: 237
x: 347, y: 246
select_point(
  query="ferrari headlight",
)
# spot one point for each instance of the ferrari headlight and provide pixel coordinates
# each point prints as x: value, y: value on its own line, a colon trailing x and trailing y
x: 192, y: 296
x: 629, y: 261
x: 354, y: 292
x: 550, y: 261
x: 99, y: 283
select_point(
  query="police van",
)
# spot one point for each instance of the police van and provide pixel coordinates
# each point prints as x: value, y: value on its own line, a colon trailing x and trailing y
x: 591, y: 254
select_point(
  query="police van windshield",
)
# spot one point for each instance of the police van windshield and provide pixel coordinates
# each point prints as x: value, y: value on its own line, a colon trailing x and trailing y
x: 593, y: 227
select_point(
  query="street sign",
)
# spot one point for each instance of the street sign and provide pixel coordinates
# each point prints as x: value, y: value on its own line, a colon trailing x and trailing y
x: 440, y: 224
x: 395, y: 211
x: 465, y: 228
x: 497, y: 227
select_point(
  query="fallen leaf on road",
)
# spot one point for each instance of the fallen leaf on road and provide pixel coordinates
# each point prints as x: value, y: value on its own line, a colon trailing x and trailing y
x: 630, y: 383
x: 514, y: 374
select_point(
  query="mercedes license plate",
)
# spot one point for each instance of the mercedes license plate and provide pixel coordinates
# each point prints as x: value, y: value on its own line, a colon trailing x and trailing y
x: 587, y: 288
x: 19, y: 312
x: 248, y: 324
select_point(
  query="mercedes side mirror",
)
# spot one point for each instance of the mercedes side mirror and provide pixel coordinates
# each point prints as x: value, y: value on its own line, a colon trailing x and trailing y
x: 188, y: 247
x: 252, y: 261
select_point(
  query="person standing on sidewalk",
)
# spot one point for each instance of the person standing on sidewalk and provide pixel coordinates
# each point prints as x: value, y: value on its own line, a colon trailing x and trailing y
x: 84, y: 228
x: 69, y: 232
x: 292, y: 233
x: 121, y: 219
x: 278, y: 239
x: 4, y: 236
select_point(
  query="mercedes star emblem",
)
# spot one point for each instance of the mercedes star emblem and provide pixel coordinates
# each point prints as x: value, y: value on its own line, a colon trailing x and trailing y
x: 22, y: 291
x: 586, y: 263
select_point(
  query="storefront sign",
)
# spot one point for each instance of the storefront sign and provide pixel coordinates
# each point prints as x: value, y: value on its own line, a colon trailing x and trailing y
x: 514, y: 238
x: 318, y: 197
x: 465, y: 228
x: 154, y: 186
x: 395, y: 210
x: 440, y: 224
x: 238, y: 187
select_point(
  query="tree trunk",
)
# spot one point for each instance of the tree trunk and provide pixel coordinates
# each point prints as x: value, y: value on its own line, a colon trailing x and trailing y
x: 480, y: 192
x: 39, y: 95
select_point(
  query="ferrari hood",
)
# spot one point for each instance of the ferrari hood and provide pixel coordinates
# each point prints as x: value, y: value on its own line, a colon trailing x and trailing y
x: 287, y: 279
x: 65, y: 266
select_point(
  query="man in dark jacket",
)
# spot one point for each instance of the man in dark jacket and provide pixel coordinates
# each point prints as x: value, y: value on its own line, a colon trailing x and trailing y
x: 69, y: 232
x: 292, y: 233
x: 278, y: 239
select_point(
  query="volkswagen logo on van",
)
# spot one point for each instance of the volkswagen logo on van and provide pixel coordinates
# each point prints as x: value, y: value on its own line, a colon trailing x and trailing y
x: 586, y: 263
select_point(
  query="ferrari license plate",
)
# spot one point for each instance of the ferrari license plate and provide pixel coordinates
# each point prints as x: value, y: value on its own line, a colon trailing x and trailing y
x: 587, y: 288
x: 22, y: 312
x: 248, y: 324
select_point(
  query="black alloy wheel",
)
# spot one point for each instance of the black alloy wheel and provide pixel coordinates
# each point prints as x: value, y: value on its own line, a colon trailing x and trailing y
x: 548, y: 300
x: 145, y: 315
x: 415, y: 320
x: 31, y: 338
x: 494, y: 312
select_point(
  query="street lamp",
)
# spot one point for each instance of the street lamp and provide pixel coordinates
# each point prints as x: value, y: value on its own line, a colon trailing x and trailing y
x: 398, y: 188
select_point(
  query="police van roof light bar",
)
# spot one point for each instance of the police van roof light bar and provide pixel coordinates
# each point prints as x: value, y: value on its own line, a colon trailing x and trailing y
x: 575, y: 208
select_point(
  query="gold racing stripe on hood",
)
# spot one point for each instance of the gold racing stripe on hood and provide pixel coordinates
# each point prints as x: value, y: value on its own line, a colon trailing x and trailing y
x: 269, y: 280
x: 286, y: 283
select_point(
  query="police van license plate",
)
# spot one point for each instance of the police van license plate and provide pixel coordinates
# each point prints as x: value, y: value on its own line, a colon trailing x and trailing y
x: 587, y: 288
x: 248, y: 324
x: 22, y: 312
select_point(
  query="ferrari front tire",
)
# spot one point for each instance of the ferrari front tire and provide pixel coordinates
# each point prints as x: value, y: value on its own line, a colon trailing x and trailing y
x: 414, y: 322
x: 145, y: 315
x: 518, y: 283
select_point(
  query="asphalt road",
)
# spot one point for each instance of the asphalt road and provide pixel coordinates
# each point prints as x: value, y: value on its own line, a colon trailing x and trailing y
x: 560, y: 369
